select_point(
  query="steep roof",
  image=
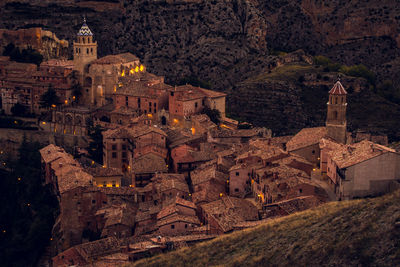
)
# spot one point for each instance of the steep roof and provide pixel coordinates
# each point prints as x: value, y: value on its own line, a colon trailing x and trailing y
x: 338, y: 89
x: 85, y: 31
x: 306, y: 137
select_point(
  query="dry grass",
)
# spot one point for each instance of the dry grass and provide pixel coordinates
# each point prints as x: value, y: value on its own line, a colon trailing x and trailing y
x: 286, y: 72
x: 358, y: 232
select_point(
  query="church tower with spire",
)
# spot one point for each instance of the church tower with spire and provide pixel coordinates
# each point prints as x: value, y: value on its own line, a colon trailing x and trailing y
x: 336, y: 113
x: 85, y: 49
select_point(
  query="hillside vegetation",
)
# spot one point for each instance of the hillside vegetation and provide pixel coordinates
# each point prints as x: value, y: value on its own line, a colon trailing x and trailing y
x: 350, y: 233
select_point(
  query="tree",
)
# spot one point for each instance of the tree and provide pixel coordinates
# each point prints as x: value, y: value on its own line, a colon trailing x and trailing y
x: 95, y: 148
x: 18, y: 110
x: 213, y: 114
x: 49, y: 99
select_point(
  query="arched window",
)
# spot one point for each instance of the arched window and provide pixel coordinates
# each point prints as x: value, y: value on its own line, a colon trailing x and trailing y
x: 87, y: 51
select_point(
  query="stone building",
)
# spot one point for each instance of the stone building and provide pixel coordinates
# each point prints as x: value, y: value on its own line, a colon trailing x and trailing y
x: 336, y: 113
x: 85, y: 50
x: 361, y: 169
x: 187, y: 100
x: 70, y: 120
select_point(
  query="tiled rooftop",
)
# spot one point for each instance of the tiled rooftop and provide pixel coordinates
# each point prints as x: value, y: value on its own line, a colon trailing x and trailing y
x: 350, y: 155
x: 306, y: 137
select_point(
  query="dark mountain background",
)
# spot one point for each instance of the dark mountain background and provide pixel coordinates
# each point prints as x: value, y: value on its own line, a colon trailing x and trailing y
x: 246, y: 48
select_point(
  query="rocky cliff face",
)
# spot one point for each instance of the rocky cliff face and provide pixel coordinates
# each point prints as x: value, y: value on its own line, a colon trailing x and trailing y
x: 227, y: 42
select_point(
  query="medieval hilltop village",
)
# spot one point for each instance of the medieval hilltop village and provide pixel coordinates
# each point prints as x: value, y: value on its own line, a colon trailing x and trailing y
x: 175, y: 170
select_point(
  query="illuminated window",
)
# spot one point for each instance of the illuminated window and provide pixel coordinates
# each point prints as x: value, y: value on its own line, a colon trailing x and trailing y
x: 137, y: 69
x: 141, y: 67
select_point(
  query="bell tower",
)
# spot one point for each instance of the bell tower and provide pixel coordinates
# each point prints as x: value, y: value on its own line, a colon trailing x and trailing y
x: 336, y: 113
x: 85, y: 49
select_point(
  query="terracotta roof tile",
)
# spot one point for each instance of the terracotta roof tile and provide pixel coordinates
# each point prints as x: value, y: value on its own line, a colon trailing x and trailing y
x: 306, y: 137
x: 338, y: 89
x: 350, y: 155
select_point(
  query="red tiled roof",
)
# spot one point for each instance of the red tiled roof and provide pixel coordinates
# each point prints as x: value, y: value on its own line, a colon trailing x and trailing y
x: 338, y: 89
x: 352, y: 154
x: 306, y: 137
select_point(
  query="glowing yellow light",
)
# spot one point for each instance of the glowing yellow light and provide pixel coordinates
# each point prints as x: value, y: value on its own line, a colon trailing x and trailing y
x: 74, y: 132
x: 66, y: 101
x: 92, y: 162
x: 19, y: 178
x: 51, y: 239
x: 4, y: 231
x: 28, y: 204
x: 65, y: 131
x: 190, y: 195
x: 141, y: 67
x: 193, y: 131
x: 55, y: 130
x: 120, y: 85
x: 115, y: 88
x: 1, y: 152
x: 53, y: 106
x: 73, y: 97
x: 176, y: 121
x: 104, y: 166
x: 227, y: 181
x: 129, y: 167
x: 314, y: 170
x: 150, y: 115
x: 123, y: 73
x: 43, y: 122
x: 137, y: 69
x: 220, y: 194
x: 15, y: 122
x: 132, y: 71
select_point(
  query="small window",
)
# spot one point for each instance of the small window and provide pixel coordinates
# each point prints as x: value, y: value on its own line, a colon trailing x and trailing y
x: 237, y: 173
x: 185, y: 225
x: 313, y: 152
x: 87, y: 51
x: 114, y: 155
x: 124, y: 154
x: 195, y: 104
x: 300, y: 190
x: 172, y: 226
x: 93, y: 201
x: 114, y: 147
x: 172, y: 93
x: 150, y: 104
x: 123, y: 147
x: 236, y: 189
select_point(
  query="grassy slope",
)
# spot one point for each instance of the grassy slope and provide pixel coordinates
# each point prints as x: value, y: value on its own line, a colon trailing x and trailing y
x: 358, y: 232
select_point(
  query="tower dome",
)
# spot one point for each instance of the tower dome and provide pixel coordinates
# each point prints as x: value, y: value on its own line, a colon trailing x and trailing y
x: 85, y: 31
